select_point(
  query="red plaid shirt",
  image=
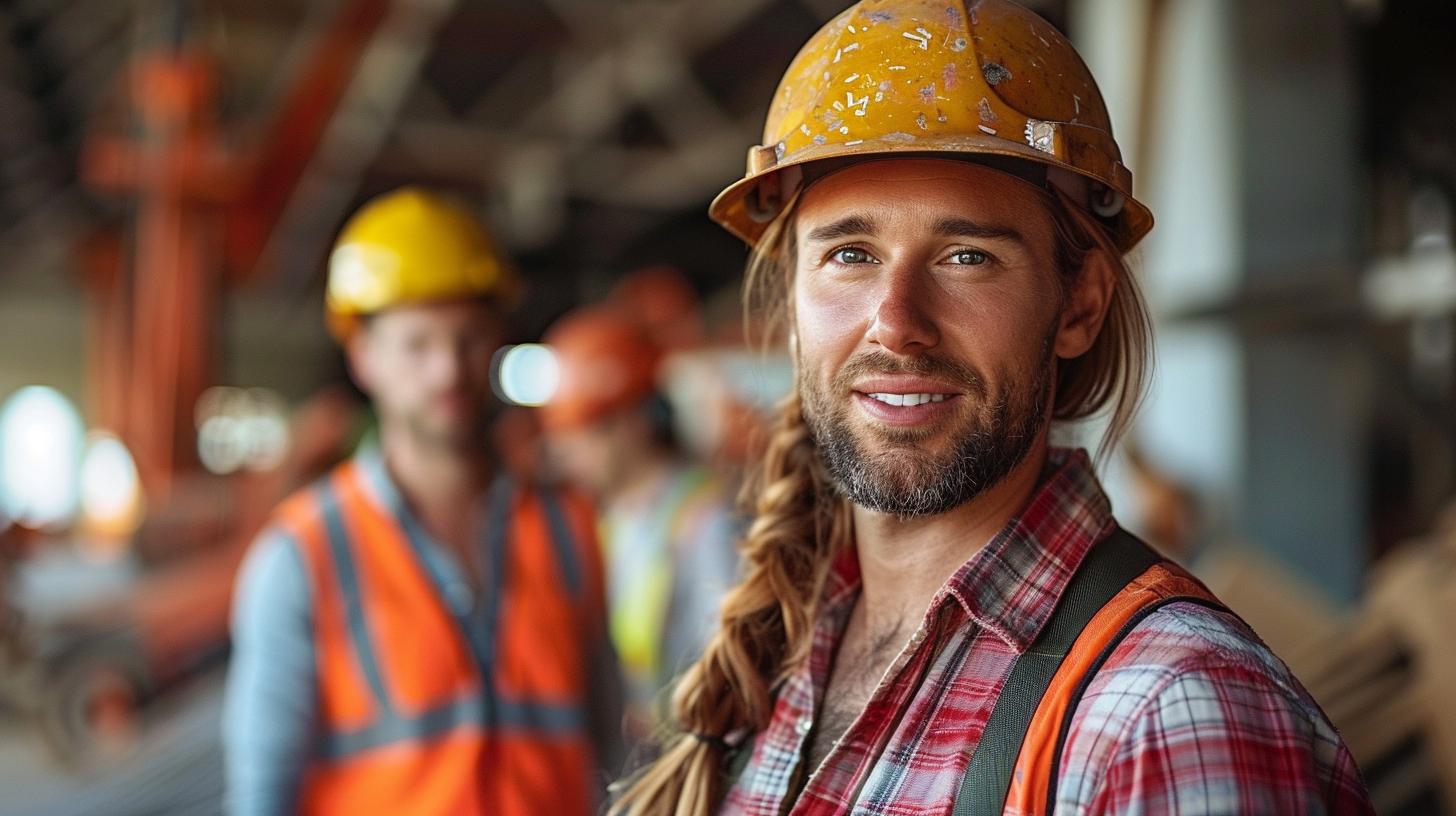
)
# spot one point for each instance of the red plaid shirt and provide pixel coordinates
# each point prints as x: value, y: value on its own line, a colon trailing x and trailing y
x: 1191, y: 714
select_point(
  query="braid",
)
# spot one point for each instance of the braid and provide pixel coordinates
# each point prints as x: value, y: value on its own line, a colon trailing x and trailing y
x: 765, y: 633
x: 766, y: 624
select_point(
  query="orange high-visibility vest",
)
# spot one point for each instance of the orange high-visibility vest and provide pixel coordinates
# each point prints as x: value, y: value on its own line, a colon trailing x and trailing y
x: 425, y: 709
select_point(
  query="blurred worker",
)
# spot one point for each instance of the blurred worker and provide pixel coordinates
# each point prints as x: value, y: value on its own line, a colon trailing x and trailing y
x: 667, y: 526
x: 418, y: 633
x: 940, y: 613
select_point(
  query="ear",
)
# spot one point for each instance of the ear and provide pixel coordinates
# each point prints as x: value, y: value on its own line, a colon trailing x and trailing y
x: 1085, y: 307
x: 356, y: 354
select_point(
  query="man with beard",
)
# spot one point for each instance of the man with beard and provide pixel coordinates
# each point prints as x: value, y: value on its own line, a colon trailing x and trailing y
x: 939, y: 613
x: 416, y: 633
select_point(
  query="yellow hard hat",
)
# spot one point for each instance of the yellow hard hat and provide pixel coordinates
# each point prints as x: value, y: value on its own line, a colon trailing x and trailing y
x: 411, y: 246
x: 983, y: 78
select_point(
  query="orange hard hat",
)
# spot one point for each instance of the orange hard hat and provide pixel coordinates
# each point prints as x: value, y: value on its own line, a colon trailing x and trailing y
x: 606, y: 362
x: 956, y: 78
x: 665, y: 304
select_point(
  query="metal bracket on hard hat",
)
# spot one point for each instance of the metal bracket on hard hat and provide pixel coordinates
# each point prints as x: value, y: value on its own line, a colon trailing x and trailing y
x: 1099, y: 198
x: 1107, y: 202
x: 766, y: 200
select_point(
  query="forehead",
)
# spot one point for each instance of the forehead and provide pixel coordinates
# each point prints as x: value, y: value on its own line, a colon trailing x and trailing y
x: 901, y: 191
x: 452, y: 315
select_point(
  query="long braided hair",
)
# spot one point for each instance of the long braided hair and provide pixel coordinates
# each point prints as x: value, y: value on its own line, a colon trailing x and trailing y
x: 800, y: 524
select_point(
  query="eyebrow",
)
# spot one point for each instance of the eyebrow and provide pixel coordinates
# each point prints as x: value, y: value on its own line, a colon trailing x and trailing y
x: 945, y: 227
x: 852, y: 225
x: 966, y: 228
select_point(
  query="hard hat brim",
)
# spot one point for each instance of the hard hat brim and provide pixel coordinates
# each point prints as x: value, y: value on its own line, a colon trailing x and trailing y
x: 731, y: 208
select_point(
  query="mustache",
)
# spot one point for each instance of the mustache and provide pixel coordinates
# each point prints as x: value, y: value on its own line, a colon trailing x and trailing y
x: 924, y: 365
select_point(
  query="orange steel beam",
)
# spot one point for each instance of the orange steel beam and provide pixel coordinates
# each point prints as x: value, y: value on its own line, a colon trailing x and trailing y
x: 275, y: 166
x: 201, y: 213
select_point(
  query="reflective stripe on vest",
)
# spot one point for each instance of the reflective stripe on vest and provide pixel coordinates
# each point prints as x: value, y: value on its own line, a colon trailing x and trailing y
x: 536, y: 718
x: 353, y: 600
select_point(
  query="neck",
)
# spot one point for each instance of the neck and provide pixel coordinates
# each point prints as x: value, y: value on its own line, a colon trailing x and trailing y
x: 904, y: 562
x: 434, y: 476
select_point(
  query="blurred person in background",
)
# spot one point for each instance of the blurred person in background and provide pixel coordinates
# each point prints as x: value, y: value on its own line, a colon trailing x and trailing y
x: 667, y: 525
x: 939, y: 613
x: 418, y: 632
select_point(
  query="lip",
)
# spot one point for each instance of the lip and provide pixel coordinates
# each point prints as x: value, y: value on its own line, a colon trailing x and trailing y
x: 904, y: 385
x: 905, y: 415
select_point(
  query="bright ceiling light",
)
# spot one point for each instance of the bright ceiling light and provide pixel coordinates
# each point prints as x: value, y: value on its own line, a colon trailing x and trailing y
x: 527, y: 374
x: 40, y: 456
x: 111, y: 490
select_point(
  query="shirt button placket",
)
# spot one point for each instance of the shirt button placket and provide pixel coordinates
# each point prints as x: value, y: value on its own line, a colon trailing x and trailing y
x: 804, y: 725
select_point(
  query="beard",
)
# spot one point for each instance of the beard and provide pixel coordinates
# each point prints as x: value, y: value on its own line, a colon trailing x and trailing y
x: 893, y: 473
x: 469, y: 434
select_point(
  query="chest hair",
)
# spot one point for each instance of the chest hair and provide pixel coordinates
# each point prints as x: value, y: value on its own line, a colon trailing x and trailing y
x: 859, y: 664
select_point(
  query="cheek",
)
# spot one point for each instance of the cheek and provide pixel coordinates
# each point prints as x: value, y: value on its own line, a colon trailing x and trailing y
x: 478, y: 363
x: 1002, y: 314
x: 829, y: 318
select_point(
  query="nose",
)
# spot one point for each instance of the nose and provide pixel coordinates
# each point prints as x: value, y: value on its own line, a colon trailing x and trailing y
x: 446, y: 365
x: 903, y: 324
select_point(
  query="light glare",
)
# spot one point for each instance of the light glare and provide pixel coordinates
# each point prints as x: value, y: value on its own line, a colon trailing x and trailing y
x: 529, y: 374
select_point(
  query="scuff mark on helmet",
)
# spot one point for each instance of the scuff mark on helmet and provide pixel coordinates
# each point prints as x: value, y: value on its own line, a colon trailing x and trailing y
x: 987, y: 114
x: 995, y: 73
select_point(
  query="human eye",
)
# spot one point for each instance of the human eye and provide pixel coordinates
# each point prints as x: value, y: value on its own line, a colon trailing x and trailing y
x: 968, y: 257
x: 851, y: 256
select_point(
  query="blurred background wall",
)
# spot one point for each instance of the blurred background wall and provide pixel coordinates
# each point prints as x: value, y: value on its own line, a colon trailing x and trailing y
x: 172, y: 174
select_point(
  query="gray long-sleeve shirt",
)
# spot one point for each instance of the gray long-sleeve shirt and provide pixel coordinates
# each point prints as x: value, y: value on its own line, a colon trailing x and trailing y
x: 270, y: 710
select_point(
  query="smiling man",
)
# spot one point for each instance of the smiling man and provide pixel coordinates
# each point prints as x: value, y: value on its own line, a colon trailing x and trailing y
x: 939, y: 613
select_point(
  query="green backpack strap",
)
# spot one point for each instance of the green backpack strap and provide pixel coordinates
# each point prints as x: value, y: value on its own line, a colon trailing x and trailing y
x: 1105, y: 571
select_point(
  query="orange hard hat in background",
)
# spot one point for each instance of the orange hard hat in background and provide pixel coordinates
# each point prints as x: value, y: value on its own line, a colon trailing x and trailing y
x: 606, y: 362
x: 985, y: 80
x: 665, y: 303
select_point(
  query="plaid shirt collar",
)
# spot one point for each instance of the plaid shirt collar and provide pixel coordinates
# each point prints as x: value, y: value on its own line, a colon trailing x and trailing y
x: 1011, y: 585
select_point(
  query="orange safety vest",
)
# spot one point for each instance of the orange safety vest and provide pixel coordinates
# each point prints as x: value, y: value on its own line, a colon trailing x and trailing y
x: 425, y: 710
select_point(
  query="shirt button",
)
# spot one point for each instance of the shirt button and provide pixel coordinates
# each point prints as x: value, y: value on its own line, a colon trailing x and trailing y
x: 803, y: 725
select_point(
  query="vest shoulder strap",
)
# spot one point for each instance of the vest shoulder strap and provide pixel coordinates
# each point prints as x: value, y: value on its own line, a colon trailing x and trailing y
x: 1110, y: 566
x: 563, y: 542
